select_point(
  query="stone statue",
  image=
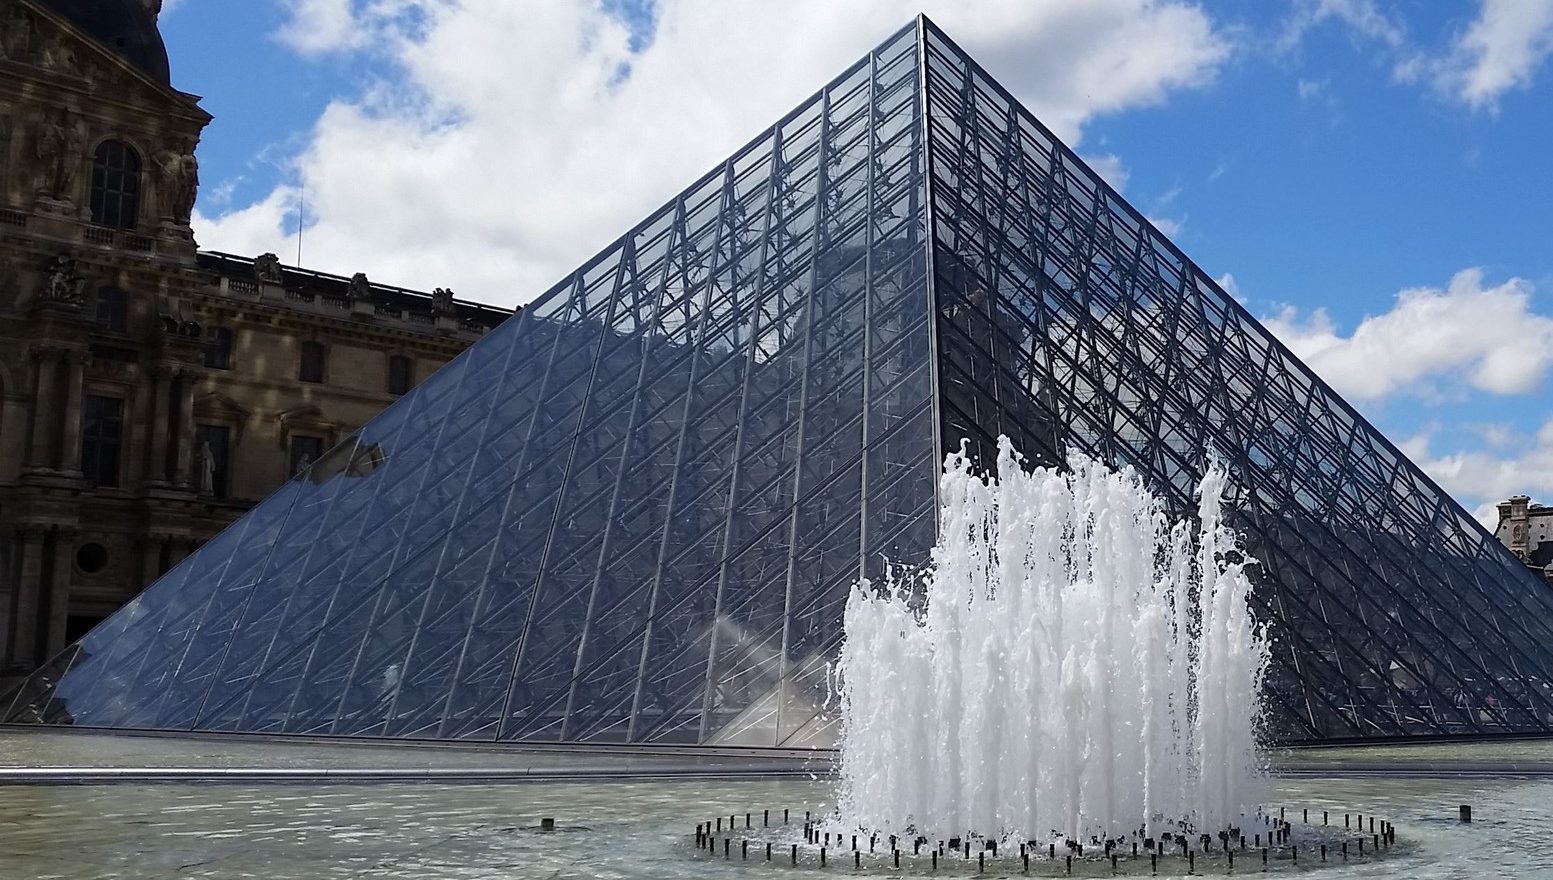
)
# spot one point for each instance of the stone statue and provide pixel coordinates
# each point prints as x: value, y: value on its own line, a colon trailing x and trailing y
x: 15, y: 32
x: 179, y: 182
x: 360, y: 287
x: 266, y: 267
x: 60, y: 282
x: 207, y: 469
x: 61, y: 150
x: 303, y: 463
x: 57, y: 55
x: 442, y: 301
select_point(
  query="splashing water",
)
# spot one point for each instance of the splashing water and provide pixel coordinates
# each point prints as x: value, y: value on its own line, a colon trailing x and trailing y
x: 1071, y: 664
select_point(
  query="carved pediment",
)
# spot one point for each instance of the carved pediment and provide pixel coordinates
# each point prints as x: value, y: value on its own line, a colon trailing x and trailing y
x: 307, y: 419
x: 217, y: 408
x: 36, y: 37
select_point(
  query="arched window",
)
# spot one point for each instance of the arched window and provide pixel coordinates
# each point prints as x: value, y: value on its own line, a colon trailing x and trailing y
x: 115, y: 185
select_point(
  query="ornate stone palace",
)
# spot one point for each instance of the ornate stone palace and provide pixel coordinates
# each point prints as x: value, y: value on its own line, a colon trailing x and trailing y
x: 1527, y: 529
x: 149, y: 392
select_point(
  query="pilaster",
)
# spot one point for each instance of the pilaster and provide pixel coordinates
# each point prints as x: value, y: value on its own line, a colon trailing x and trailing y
x: 27, y: 599
x: 62, y: 574
x: 44, y: 406
x: 161, y: 422
x: 185, y: 471
x: 70, y: 432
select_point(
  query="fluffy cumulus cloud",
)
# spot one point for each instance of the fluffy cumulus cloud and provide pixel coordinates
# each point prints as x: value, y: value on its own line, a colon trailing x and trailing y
x: 1449, y: 350
x: 1501, y: 50
x: 517, y: 137
x: 1433, y: 342
x: 1516, y: 464
x: 1502, y: 47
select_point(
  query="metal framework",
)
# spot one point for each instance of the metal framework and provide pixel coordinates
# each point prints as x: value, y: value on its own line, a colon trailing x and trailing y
x: 633, y: 512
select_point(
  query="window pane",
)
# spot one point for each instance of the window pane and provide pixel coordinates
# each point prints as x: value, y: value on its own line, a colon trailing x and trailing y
x: 218, y: 349
x: 312, y: 366
x: 112, y: 309
x: 399, y: 374
x: 101, y: 439
x: 305, y: 451
x: 115, y: 199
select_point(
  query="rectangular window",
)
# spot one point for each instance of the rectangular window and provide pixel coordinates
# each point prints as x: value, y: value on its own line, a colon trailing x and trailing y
x: 312, y: 365
x: 218, y: 349
x: 212, y: 454
x: 400, y: 374
x: 305, y: 451
x: 112, y: 309
x: 102, y: 433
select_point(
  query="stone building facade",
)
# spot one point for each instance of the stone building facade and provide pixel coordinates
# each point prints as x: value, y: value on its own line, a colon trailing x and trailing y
x: 1527, y: 529
x: 150, y: 392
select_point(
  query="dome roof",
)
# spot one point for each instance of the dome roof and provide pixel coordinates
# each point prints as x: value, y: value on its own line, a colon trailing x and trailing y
x: 124, y: 26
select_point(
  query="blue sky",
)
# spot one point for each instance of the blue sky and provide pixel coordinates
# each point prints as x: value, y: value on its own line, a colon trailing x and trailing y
x: 1372, y: 177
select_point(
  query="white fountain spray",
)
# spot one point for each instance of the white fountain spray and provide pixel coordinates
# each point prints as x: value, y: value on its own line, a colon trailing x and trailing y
x: 1070, y: 664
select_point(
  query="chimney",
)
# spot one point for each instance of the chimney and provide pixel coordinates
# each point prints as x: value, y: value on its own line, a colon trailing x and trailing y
x: 1519, y: 530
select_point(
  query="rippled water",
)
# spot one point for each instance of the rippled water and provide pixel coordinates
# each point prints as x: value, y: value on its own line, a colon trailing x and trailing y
x: 609, y: 830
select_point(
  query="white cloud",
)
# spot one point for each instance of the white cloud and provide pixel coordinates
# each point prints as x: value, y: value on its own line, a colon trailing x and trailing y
x: 1431, y: 340
x: 1481, y: 478
x: 1227, y: 281
x: 1110, y: 168
x: 316, y: 27
x: 518, y: 137
x: 1362, y: 18
x: 1501, y: 50
x: 1312, y: 88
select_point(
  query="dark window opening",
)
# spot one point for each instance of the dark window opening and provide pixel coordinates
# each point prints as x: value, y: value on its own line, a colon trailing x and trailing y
x: 91, y: 558
x: 213, y: 452
x: 218, y: 348
x: 305, y: 451
x: 78, y: 625
x: 102, y: 434
x: 400, y: 374
x: 115, y: 198
x: 112, y: 309
x: 312, y: 362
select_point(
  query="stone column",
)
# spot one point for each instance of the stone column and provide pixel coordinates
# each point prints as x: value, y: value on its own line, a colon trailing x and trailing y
x: 44, y: 407
x: 161, y: 418
x: 186, y: 380
x: 151, y: 562
x: 59, y: 589
x: 28, y: 586
x: 70, y: 435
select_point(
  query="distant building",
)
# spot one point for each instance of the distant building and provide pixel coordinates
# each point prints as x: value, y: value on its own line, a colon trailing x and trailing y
x: 1527, y: 529
x: 149, y: 393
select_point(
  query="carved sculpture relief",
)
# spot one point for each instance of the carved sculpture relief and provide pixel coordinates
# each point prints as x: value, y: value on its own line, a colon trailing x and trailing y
x: 60, y: 148
x: 360, y: 287
x: 442, y: 301
x: 178, y: 180
x: 16, y: 31
x: 266, y: 267
x: 61, y: 284
x: 58, y: 55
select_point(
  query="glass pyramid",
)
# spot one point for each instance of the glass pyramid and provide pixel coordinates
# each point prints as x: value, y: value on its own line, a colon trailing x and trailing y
x: 633, y: 511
